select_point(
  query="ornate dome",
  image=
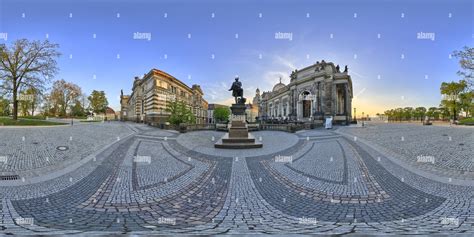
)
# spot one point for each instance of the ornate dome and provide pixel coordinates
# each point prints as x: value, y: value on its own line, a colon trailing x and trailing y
x: 278, y: 86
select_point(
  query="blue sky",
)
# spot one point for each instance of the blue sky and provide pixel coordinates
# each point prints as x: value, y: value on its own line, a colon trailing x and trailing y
x: 229, y: 38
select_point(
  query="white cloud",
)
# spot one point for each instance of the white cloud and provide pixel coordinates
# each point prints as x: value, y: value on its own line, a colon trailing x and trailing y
x: 285, y: 62
x: 273, y: 77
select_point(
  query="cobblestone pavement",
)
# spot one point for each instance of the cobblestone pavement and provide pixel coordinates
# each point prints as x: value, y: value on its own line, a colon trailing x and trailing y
x: 438, y: 149
x: 33, y: 149
x: 152, y: 181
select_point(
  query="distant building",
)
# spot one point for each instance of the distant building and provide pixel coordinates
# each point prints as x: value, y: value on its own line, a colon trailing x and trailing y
x: 210, y: 112
x: 251, y: 112
x: 314, y: 93
x: 124, y: 107
x: 151, y: 94
x: 110, y: 114
x: 201, y: 112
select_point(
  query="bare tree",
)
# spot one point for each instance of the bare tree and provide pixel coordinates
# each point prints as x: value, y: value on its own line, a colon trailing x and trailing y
x: 27, y: 63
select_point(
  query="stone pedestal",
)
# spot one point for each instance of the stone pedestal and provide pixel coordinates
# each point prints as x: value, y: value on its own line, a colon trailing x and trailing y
x: 238, y: 136
x: 238, y: 109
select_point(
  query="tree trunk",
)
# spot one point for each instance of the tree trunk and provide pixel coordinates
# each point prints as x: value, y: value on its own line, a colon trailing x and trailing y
x: 15, y: 102
x: 33, y: 108
x: 454, y: 115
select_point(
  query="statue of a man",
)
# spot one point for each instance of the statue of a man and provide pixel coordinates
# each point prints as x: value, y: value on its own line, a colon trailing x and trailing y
x: 237, y: 90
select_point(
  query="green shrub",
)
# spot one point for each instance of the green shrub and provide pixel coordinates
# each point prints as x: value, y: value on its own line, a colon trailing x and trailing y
x: 467, y: 121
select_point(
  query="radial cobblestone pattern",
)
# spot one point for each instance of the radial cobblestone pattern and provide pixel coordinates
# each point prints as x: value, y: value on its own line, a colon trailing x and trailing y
x: 146, y: 180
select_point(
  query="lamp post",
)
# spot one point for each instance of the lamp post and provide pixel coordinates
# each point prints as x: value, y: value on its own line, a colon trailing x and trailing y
x: 355, y: 117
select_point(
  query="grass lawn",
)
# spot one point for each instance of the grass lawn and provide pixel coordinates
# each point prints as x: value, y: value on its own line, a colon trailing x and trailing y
x: 6, y: 121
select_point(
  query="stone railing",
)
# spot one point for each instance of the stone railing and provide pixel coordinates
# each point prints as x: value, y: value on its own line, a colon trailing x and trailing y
x: 195, y: 127
x: 290, y: 127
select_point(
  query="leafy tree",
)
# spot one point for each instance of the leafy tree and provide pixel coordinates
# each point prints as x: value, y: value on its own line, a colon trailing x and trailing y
x: 433, y: 112
x: 399, y: 113
x: 23, y: 105
x: 4, y: 107
x: 407, y: 113
x: 63, y: 95
x: 83, y: 99
x: 419, y: 113
x: 77, y: 110
x: 179, y: 113
x: 26, y: 63
x: 389, y: 114
x: 466, y: 102
x: 98, y: 101
x: 30, y: 102
x: 444, y: 112
x: 466, y: 61
x: 221, y: 114
x: 451, y: 92
x: 48, y: 107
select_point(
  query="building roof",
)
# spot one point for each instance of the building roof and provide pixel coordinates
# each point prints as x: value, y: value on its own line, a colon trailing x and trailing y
x: 137, y: 82
x: 155, y: 71
x: 109, y: 110
x: 197, y: 88
x: 278, y: 86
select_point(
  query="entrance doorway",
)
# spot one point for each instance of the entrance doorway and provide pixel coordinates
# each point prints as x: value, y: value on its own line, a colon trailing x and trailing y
x: 306, y: 105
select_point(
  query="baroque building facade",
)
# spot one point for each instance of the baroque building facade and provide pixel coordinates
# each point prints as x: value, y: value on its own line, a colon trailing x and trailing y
x: 150, y: 96
x: 313, y: 94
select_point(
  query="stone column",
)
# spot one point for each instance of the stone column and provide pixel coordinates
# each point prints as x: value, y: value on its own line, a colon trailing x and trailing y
x: 281, y: 108
x: 288, y: 108
x: 298, y: 110
x: 345, y: 99
x: 318, y: 97
x: 333, y: 99
x: 315, y: 106
x: 349, y: 103
x: 322, y: 95
x: 292, y: 107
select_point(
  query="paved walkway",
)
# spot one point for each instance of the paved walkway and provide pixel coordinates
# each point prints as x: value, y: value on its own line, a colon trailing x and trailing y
x: 157, y: 181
